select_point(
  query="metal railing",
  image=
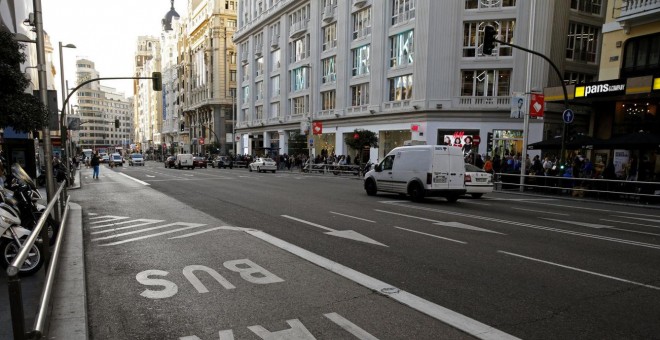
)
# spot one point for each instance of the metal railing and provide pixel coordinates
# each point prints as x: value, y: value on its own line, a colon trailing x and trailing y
x: 14, y: 282
x: 604, y: 189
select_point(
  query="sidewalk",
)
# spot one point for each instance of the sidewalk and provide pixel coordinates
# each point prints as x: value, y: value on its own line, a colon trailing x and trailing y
x: 67, y: 315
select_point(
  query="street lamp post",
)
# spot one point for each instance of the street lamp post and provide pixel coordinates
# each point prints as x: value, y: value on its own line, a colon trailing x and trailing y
x: 63, y: 123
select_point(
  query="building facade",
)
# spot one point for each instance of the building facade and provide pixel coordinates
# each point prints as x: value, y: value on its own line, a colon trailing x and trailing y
x: 409, y: 70
x: 148, y: 104
x: 207, y: 70
x: 105, y: 114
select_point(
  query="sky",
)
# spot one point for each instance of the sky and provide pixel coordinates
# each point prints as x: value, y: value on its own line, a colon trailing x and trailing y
x: 104, y: 32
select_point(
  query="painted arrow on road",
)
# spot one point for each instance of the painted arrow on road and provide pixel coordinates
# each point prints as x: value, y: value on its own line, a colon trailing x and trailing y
x: 349, y: 234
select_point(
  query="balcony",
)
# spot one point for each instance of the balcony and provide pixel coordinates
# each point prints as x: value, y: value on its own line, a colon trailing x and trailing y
x: 298, y: 29
x: 396, y: 105
x: 357, y: 109
x: 483, y: 102
x: 637, y: 12
x: 244, y: 57
x: 258, y: 50
x: 633, y: 7
x: 275, y: 41
x: 329, y: 13
x: 359, y: 3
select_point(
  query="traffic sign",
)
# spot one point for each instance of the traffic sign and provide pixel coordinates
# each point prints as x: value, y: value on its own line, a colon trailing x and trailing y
x: 568, y: 116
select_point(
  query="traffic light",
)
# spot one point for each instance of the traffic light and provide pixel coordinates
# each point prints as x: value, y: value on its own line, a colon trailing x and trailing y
x: 489, y: 40
x: 157, y: 79
x: 116, y: 123
x: 489, y: 143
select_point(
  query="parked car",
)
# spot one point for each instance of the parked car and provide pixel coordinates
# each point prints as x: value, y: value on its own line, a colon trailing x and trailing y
x: 263, y: 164
x: 135, y: 159
x: 477, y: 181
x: 199, y: 162
x: 170, y: 162
x: 222, y: 162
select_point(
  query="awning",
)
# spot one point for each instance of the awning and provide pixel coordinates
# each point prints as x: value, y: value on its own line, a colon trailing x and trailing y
x: 576, y: 142
x: 635, y: 140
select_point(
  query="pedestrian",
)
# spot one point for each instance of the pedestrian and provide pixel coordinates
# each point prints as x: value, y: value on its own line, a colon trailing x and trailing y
x: 95, y: 162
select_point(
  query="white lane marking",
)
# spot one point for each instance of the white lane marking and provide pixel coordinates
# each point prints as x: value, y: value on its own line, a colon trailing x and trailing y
x: 350, y: 327
x: 474, y: 202
x: 532, y: 226
x: 133, y: 178
x: 520, y: 199
x: 357, y: 218
x: 124, y: 222
x: 442, y: 223
x: 307, y: 222
x: 540, y: 211
x: 108, y: 218
x: 151, y: 235
x: 599, y: 226
x: 656, y: 220
x: 149, y: 229
x: 349, y: 234
x: 448, y: 316
x: 209, y: 230
x: 583, y: 224
x: 436, y: 236
x: 633, y: 223
x: 593, y: 209
x: 144, y: 222
x: 580, y: 270
x: 150, y: 176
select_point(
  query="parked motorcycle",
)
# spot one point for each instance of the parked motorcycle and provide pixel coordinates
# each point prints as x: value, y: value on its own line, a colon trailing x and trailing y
x: 12, y: 236
x: 25, y: 199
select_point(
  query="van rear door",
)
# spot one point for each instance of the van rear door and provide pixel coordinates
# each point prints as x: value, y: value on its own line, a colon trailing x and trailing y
x: 440, y: 168
x: 456, y: 169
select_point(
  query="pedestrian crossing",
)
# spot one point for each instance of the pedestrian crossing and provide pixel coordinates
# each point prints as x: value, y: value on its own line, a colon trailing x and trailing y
x: 113, y: 230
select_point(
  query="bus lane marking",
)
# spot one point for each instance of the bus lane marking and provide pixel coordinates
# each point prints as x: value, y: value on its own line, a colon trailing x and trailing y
x: 458, y: 225
x: 448, y: 316
x: 579, y: 270
x: 436, y: 236
x: 349, y: 216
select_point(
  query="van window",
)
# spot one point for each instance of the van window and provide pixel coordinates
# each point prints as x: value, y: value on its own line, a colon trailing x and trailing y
x: 387, y: 163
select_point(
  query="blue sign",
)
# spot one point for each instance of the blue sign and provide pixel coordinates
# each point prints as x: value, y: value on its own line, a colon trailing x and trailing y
x: 568, y: 116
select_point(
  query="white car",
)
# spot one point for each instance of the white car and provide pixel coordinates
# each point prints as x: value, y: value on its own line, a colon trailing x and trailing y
x: 116, y: 159
x: 477, y: 181
x: 136, y: 159
x: 263, y: 164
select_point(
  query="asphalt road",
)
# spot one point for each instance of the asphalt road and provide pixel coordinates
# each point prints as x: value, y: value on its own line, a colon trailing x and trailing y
x: 314, y: 255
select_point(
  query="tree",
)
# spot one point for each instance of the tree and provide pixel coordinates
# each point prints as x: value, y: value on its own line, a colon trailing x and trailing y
x: 362, y: 140
x: 20, y: 110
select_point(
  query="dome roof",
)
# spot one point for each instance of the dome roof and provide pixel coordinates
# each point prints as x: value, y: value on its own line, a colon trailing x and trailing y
x: 166, y: 22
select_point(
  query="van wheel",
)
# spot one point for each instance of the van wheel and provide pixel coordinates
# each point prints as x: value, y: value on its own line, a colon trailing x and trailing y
x: 370, y: 187
x: 477, y: 195
x: 416, y: 192
x: 250, y: 168
x: 452, y: 198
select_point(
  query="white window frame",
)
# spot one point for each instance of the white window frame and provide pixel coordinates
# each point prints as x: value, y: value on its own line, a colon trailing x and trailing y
x: 360, y: 94
x: 329, y: 68
x: 328, y: 100
x: 329, y: 37
x: 362, y: 23
x: 402, y: 11
x: 275, y: 86
x: 401, y: 87
x: 299, y: 79
x: 360, y: 56
x: 402, y: 49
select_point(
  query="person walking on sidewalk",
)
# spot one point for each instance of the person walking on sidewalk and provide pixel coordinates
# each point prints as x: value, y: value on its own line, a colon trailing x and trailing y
x: 95, y: 162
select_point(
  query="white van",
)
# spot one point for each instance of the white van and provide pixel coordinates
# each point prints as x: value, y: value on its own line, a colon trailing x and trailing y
x: 419, y: 171
x: 184, y: 160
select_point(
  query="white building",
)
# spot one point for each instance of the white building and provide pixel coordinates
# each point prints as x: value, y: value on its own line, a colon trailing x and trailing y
x: 105, y: 113
x: 409, y: 70
x: 148, y: 106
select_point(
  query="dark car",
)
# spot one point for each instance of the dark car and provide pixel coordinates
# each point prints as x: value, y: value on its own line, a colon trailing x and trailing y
x: 170, y: 162
x: 222, y: 162
x: 199, y: 162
